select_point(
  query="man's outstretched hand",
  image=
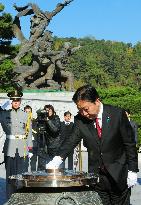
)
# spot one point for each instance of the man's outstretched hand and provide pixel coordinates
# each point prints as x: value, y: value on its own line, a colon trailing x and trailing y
x: 54, y: 163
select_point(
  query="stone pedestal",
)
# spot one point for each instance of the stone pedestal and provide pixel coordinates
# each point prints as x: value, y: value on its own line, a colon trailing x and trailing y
x: 73, y: 197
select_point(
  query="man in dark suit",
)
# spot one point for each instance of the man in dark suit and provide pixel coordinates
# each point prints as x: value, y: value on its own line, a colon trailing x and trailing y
x: 66, y: 129
x: 133, y: 125
x: 109, y: 138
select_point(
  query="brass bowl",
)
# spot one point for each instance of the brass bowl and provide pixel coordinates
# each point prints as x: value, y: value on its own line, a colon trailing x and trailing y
x: 54, y: 171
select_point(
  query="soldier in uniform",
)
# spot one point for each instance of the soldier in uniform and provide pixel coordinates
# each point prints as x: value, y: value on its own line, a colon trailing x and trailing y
x: 18, y: 143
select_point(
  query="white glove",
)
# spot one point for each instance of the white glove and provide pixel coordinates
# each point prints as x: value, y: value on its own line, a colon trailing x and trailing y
x: 131, y: 179
x: 54, y: 163
x: 30, y: 155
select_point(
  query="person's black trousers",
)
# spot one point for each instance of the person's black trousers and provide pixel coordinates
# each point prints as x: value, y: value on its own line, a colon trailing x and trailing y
x: 110, y: 193
x: 70, y: 161
x: 33, y: 162
x: 14, y: 165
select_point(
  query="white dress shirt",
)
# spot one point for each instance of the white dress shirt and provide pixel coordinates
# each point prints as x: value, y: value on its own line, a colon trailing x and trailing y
x: 99, y: 116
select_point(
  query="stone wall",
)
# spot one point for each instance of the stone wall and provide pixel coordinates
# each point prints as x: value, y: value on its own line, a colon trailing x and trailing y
x: 62, y: 101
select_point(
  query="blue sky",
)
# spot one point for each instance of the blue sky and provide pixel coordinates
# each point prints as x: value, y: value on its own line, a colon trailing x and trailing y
x: 116, y: 20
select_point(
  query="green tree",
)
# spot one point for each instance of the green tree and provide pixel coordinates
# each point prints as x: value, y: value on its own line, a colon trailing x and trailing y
x: 6, y: 33
x: 126, y: 98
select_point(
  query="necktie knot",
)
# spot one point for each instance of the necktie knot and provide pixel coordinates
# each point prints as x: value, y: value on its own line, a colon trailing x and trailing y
x: 96, y: 120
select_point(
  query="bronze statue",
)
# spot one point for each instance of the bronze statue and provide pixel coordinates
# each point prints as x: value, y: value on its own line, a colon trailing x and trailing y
x: 48, y: 69
x: 39, y: 22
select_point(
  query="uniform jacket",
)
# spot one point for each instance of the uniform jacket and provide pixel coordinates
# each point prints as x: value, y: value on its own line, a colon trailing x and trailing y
x: 116, y: 149
x: 13, y: 123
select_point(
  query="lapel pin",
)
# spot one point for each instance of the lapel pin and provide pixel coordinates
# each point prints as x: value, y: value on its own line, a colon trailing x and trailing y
x: 108, y: 119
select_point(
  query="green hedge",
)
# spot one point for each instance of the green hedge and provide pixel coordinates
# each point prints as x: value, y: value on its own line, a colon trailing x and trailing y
x: 127, y: 98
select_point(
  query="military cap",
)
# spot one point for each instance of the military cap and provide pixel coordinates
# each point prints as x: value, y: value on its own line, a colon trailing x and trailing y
x: 15, y: 95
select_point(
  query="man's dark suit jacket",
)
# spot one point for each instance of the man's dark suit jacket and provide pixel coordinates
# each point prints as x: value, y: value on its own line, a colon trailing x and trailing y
x: 135, y: 129
x: 65, y: 133
x: 116, y: 149
x: 66, y: 130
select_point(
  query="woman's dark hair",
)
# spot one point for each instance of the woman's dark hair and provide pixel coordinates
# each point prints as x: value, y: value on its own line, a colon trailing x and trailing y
x: 50, y: 107
x: 86, y: 92
x: 28, y: 107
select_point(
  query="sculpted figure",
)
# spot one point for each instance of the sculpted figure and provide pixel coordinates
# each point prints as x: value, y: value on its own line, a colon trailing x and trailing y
x: 24, y: 72
x: 57, y: 66
x: 61, y: 60
x: 39, y: 22
x: 49, y: 67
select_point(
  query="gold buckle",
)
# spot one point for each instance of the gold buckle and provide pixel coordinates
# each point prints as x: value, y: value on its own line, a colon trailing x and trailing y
x: 22, y: 137
x: 17, y: 136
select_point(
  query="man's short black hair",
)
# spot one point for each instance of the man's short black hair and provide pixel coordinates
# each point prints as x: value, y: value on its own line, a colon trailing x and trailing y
x: 86, y: 92
x: 67, y: 113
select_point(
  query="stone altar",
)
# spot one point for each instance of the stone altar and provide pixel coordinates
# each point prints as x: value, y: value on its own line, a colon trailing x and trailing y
x: 55, y: 187
x: 65, y: 198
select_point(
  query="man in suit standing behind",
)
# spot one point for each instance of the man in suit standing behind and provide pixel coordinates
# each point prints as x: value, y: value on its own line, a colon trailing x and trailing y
x: 109, y: 138
x: 133, y: 125
x: 66, y: 128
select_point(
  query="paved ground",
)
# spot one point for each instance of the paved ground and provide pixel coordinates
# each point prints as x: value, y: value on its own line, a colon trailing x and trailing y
x: 2, y: 185
x: 136, y: 191
x: 135, y: 198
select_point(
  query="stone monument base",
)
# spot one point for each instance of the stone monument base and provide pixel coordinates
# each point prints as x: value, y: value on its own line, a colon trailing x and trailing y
x: 70, y: 197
